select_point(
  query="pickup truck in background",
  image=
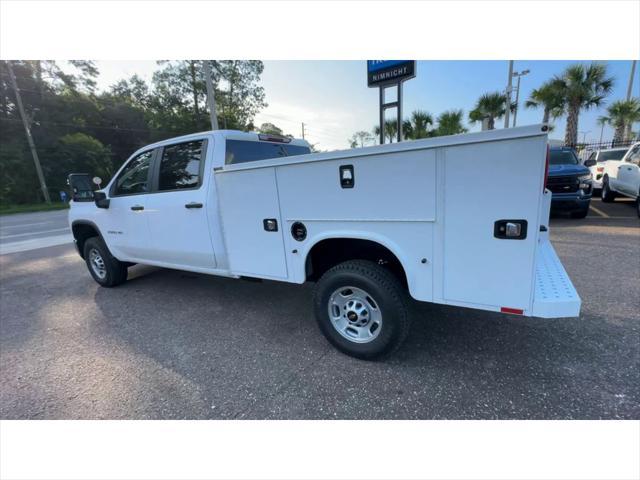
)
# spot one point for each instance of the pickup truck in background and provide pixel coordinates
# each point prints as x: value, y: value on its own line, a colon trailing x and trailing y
x: 369, y: 226
x: 599, y: 157
x: 622, y: 177
x: 570, y: 182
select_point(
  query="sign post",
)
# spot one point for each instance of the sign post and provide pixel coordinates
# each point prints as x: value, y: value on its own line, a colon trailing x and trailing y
x: 384, y: 74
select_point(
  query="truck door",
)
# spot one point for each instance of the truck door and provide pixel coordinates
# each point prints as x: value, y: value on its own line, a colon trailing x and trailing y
x: 177, y: 209
x: 629, y: 173
x: 124, y: 224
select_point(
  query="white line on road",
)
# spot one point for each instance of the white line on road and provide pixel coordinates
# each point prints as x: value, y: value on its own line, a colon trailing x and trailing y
x: 19, y: 225
x: 34, y: 244
x: 65, y: 229
x: 598, y: 211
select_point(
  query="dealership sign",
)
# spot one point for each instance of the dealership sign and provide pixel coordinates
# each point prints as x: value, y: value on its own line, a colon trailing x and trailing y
x: 381, y: 72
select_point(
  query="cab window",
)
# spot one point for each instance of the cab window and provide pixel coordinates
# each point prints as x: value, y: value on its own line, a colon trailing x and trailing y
x: 180, y: 166
x: 134, y: 178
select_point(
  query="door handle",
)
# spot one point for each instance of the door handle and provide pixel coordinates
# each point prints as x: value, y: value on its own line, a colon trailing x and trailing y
x: 137, y: 207
x: 193, y: 205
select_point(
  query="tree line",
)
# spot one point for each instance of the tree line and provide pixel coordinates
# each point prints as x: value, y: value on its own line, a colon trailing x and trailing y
x: 77, y: 129
x: 579, y: 87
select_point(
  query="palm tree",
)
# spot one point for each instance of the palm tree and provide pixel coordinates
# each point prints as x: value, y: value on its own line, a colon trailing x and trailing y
x: 418, y: 126
x: 622, y: 114
x: 550, y: 97
x: 359, y: 139
x: 490, y: 106
x: 582, y: 87
x: 450, y: 123
x: 390, y: 130
x: 602, y: 121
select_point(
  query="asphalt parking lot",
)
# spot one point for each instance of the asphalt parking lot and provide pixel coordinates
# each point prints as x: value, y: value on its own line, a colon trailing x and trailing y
x: 171, y: 345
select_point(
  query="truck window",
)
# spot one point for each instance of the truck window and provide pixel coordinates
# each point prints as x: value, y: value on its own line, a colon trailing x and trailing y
x: 135, y: 175
x: 180, y: 166
x: 563, y: 157
x: 240, y: 151
x: 611, y: 155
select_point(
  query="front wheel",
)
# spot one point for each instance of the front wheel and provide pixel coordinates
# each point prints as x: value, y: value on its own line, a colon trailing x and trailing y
x: 607, y: 194
x: 580, y: 213
x: 638, y: 204
x: 105, y: 269
x: 362, y: 309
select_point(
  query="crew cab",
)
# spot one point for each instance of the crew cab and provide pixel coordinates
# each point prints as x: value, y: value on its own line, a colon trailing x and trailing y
x: 570, y: 182
x: 599, y: 157
x: 369, y: 226
x: 622, y: 177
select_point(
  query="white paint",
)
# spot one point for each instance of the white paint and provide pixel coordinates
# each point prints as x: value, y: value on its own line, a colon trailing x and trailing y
x: 65, y: 229
x: 34, y: 243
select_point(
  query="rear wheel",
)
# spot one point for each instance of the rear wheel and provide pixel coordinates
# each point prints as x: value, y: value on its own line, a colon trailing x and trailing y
x: 362, y: 309
x: 607, y: 194
x: 105, y: 269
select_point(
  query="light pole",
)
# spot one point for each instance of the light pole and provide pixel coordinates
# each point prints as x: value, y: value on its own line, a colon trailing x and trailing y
x: 508, y: 95
x: 584, y: 136
x: 515, y: 111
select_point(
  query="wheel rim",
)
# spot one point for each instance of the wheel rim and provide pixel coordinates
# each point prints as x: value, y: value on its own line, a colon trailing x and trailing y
x: 355, y: 314
x: 97, y: 263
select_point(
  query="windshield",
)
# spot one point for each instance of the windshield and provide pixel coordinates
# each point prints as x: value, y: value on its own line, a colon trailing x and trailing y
x: 611, y: 155
x: 563, y: 157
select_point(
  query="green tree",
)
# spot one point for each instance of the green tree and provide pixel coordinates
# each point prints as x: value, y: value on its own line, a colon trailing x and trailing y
x: 418, y: 125
x: 582, y: 87
x: 450, y: 123
x: 360, y: 139
x: 622, y: 115
x: 270, y: 128
x: 490, y: 106
x: 390, y: 130
x: 550, y: 97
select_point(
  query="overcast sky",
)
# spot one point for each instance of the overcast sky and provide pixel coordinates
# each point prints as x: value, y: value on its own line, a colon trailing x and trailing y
x: 332, y: 98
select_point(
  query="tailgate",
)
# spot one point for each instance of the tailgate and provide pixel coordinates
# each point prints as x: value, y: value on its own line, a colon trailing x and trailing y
x: 554, y: 295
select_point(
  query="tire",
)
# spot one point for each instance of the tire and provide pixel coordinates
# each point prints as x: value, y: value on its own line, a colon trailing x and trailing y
x: 369, y: 305
x: 105, y: 269
x: 607, y: 194
x: 638, y: 204
x: 580, y: 213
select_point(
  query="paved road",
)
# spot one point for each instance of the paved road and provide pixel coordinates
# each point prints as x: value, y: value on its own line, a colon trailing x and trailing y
x: 28, y: 231
x: 169, y: 344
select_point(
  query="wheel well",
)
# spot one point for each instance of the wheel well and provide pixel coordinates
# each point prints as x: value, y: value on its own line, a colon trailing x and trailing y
x: 82, y: 232
x: 328, y: 253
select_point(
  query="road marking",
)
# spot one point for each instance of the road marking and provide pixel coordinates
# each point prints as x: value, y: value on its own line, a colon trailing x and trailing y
x: 18, y: 225
x: 34, y: 243
x: 65, y: 229
x: 599, y: 212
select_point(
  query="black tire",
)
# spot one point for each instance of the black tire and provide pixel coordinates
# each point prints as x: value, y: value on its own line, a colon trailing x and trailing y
x: 638, y: 204
x: 387, y: 294
x: 115, y: 271
x: 580, y: 213
x: 607, y: 195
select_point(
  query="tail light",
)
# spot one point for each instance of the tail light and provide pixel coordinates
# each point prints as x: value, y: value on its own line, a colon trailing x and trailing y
x: 546, y: 169
x: 600, y: 169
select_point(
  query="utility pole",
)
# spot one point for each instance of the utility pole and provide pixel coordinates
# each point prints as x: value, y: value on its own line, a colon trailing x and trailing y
x: 32, y: 146
x: 303, y: 130
x: 211, y: 100
x: 633, y: 71
x: 519, y: 75
x: 508, y: 95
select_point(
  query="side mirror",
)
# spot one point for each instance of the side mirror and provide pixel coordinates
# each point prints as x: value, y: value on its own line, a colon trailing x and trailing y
x: 101, y: 199
x: 589, y: 163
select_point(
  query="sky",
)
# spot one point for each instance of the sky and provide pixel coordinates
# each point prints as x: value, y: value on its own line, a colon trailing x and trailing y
x: 333, y: 101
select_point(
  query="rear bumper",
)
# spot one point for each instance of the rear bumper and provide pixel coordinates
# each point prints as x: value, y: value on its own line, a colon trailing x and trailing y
x: 555, y: 295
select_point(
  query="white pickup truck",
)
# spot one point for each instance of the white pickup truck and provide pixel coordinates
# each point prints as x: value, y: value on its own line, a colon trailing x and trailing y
x: 622, y: 177
x: 366, y: 225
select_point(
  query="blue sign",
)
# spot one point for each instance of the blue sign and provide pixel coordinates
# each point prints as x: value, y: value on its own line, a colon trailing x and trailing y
x: 375, y: 65
x: 381, y: 72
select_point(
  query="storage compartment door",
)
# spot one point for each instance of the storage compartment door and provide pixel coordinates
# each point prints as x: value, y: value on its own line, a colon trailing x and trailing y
x: 248, y: 198
x: 487, y: 183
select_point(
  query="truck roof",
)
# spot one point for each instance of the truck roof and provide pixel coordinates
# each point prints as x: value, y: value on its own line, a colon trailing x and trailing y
x: 232, y: 134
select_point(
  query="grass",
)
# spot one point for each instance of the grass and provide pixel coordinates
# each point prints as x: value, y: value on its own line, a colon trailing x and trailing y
x: 32, y: 207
